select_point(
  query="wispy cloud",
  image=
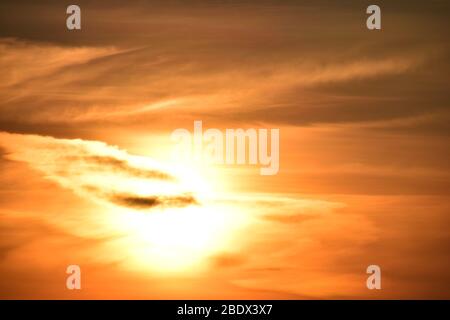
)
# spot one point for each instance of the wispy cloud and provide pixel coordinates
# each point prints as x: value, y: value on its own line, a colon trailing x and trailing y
x: 100, y: 172
x: 103, y: 85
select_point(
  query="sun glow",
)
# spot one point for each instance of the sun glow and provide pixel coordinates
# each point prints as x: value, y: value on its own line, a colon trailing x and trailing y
x: 177, y: 240
x: 157, y: 218
x: 180, y: 240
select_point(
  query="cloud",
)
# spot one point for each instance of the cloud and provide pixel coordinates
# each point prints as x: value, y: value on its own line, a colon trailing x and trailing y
x: 100, y: 172
x: 108, y: 163
x: 21, y: 61
x: 154, y: 70
x: 150, y: 202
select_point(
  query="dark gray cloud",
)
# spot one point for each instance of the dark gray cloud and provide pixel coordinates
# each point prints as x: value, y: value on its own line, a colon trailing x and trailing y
x: 137, y: 202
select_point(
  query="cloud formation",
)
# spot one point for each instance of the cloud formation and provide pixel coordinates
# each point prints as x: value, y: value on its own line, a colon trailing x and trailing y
x: 173, y: 62
x: 99, y: 171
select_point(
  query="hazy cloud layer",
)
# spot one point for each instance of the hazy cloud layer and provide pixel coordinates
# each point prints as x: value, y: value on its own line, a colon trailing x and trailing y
x: 161, y: 63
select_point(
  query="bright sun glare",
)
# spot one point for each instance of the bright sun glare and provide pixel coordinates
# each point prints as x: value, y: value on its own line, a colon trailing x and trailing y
x: 179, y: 239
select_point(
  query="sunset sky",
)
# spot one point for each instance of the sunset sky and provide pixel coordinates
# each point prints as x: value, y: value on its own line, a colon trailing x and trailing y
x: 88, y: 173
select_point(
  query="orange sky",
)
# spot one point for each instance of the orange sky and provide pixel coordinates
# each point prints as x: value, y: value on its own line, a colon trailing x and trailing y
x: 88, y: 177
